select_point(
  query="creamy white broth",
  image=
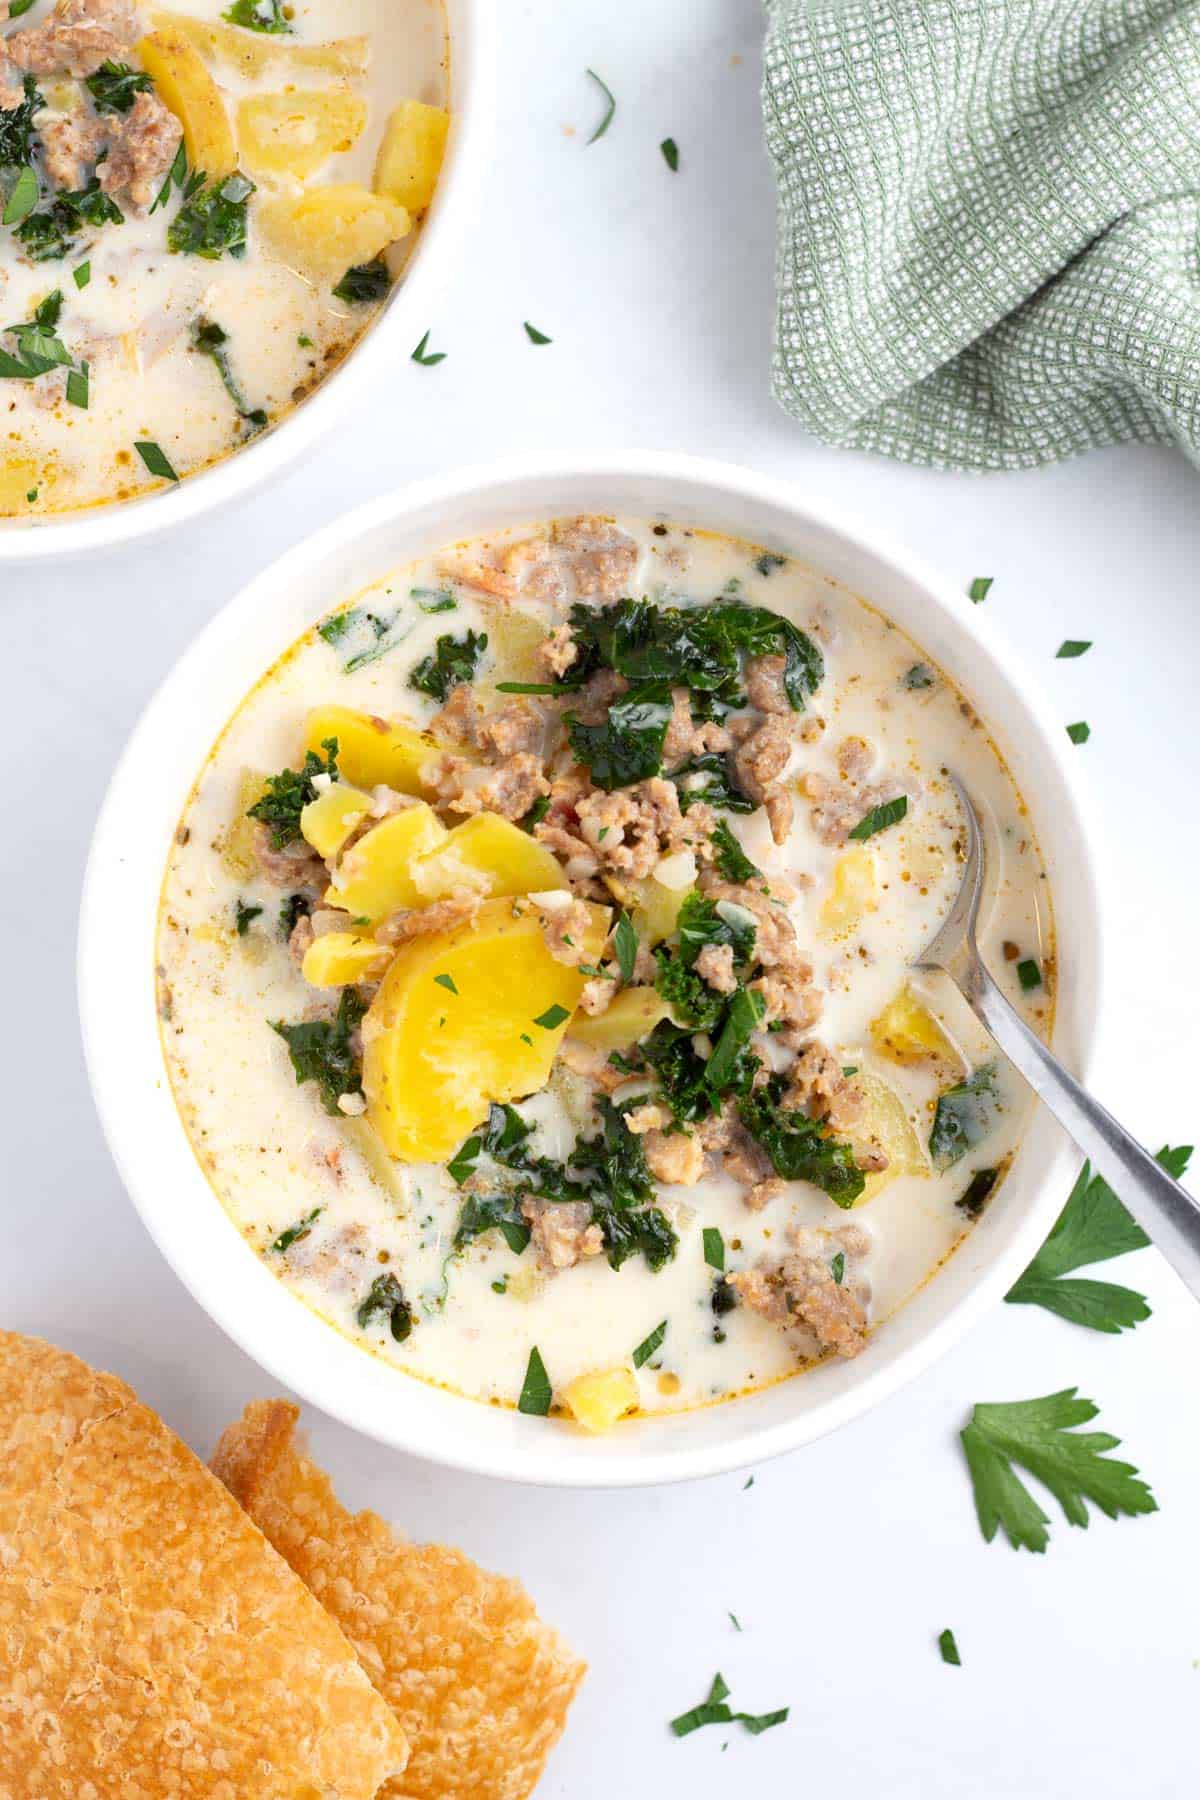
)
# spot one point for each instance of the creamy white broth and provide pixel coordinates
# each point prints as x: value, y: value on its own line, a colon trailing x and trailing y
x: 133, y: 321
x: 273, y: 1155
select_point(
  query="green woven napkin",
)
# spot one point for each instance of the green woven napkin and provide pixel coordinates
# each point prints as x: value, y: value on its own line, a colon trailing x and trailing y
x: 988, y: 224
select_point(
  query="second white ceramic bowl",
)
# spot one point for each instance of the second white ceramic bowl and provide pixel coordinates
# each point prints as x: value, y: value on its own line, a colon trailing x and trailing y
x: 117, y: 988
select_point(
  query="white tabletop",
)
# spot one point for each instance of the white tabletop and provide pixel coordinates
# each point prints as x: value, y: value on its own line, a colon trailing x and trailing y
x: 844, y: 1561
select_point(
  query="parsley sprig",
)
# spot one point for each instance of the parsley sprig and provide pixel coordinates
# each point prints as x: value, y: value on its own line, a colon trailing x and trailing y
x: 715, y: 1710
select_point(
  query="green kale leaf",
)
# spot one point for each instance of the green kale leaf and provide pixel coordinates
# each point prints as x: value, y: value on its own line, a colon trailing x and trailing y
x: 322, y: 1051
x: 628, y: 746
x: 211, y: 222
x: 800, y: 1148
x: 364, y: 283
x: 115, y: 86
x: 289, y: 792
x: 454, y: 660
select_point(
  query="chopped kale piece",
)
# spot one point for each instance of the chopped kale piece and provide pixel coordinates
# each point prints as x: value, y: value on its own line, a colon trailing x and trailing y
x: 385, y: 1300
x: 628, y: 746
x: 492, y: 1212
x: 454, y: 660
x: 50, y: 235
x: 536, y: 1392
x: 16, y: 127
x: 115, y: 86
x: 646, y: 1231
x: 963, y: 1117
x: 212, y: 219
x: 289, y: 792
x: 365, y: 283
x: 244, y: 916
x: 296, y: 1233
x: 800, y: 1148
x: 731, y: 860
x: 259, y: 15
x: 618, y: 1159
x: 210, y: 339
x: 978, y: 1192
x: 709, y: 778
x: 293, y: 909
x: 322, y: 1051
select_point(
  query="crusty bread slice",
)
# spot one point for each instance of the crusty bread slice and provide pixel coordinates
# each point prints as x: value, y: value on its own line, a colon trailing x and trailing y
x: 480, y: 1685
x: 151, y: 1641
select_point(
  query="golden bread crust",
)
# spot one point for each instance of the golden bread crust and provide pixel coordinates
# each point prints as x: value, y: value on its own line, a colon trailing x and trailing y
x: 151, y: 1642
x: 480, y: 1685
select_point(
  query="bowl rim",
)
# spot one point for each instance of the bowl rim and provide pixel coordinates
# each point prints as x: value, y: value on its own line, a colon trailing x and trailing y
x: 537, y: 1463
x: 244, y: 472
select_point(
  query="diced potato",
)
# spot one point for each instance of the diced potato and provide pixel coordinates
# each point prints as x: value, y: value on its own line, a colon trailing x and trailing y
x: 375, y: 875
x: 907, y: 1032
x: 455, y: 1026
x: 629, y: 1018
x: 237, y: 843
x: 328, y: 230
x: 597, y: 1401
x: 410, y: 156
x: 853, y: 893
x: 361, y: 1134
x: 185, y: 85
x: 19, y: 477
x: 885, y: 1123
x: 371, y: 751
x: 340, y: 958
x: 251, y: 53
x: 296, y: 133
x: 327, y: 821
x: 490, y: 856
x: 653, y: 907
x: 513, y: 641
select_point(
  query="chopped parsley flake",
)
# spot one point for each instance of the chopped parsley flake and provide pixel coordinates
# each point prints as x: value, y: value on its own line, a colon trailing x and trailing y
x: 536, y: 1392
x: 714, y: 1247
x: 535, y: 336
x: 446, y: 981
x: 609, y: 108
x: 427, y: 359
x: 385, y: 1300
x: 1028, y: 974
x: 553, y: 1017
x: 156, y: 460
x: 649, y: 1345
x: 1080, y: 732
x: 879, y: 818
x: 837, y: 1267
x: 1072, y: 647
x: 670, y: 154
x: 212, y: 220
x: 244, y: 916
x: 949, y: 1648
x: 297, y: 1232
x: 364, y: 284
x: 716, y: 1711
x: 978, y: 589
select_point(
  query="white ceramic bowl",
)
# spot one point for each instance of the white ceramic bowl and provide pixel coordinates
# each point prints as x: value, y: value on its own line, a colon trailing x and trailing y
x: 116, y: 970
x: 470, y: 25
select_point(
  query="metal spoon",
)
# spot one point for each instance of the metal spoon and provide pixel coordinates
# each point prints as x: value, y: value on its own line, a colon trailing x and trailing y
x: 1165, y: 1211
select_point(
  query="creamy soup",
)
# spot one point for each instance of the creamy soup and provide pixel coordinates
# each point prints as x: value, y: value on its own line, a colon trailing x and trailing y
x: 534, y: 961
x: 203, y: 209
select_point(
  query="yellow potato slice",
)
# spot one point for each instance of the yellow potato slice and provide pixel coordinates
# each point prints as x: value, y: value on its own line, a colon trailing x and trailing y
x: 187, y: 88
x: 489, y: 856
x: 853, y: 893
x: 375, y: 875
x: 885, y: 1122
x: 297, y: 133
x: 253, y: 53
x: 597, y: 1401
x: 328, y: 230
x: 237, y: 842
x: 327, y: 821
x: 629, y: 1018
x: 372, y: 751
x: 653, y: 907
x: 513, y: 641
x: 455, y: 1026
x: 410, y: 156
x: 341, y: 958
x: 907, y: 1032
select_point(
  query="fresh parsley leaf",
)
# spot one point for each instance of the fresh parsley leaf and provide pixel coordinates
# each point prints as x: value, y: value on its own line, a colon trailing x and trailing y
x: 714, y: 1248
x: 963, y: 1117
x: 1072, y: 647
x: 552, y: 1018
x: 156, y: 461
x: 297, y: 1232
x: 716, y: 1711
x: 427, y: 360
x: 212, y: 220
x: 978, y: 589
x: 732, y: 862
x: 446, y: 981
x: 453, y: 660
x: 1080, y: 732
x: 610, y: 106
x: 259, y: 15
x: 289, y: 792
x: 82, y: 275
x: 742, y: 1019
x: 385, y: 1300
x: 211, y: 340
x: 481, y: 1213
x: 799, y: 1148
x: 837, y: 1267
x: 244, y: 916
x: 321, y: 1051
x: 115, y: 86
x: 535, y: 336
x: 649, y: 1345
x: 177, y: 177
x: 536, y: 813
x: 1036, y: 1436
x: 625, y: 946
x: 628, y: 746
x: 670, y: 154
x: 949, y: 1648
x: 365, y: 283
x: 879, y: 818
x: 536, y: 1393
x: 1028, y: 974
x: 23, y: 197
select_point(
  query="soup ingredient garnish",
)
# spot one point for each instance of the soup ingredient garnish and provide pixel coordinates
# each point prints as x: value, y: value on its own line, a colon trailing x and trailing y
x: 155, y: 459
x: 385, y: 1300
x: 963, y: 1116
x: 837, y: 1267
x: 628, y: 746
x: 322, y: 1050
x: 115, y: 86
x: 1036, y: 1436
x: 210, y: 340
x: 296, y: 1233
x: 453, y: 660
x: 610, y: 106
x: 82, y: 275
x: 799, y: 1149
x: 978, y: 1192
x: 244, y: 916
x: 259, y: 15
x: 212, y: 220
x: 16, y: 127
x: 714, y: 1247
x: 949, y: 1648
x: 23, y: 198
x: 364, y: 283
x: 428, y: 358
x: 918, y: 677
x: 716, y: 1711
x: 731, y: 859
x: 649, y: 1345
x: 535, y: 336
x: 51, y: 235
x: 978, y: 589
x: 1080, y: 732
x: 670, y: 153
x: 880, y: 817
x: 177, y: 177
x: 536, y: 1393
x: 289, y: 792
x: 1071, y: 647
x: 1092, y: 1227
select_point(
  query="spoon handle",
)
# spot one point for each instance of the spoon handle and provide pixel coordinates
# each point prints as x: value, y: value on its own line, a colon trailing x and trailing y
x: 1166, y: 1212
